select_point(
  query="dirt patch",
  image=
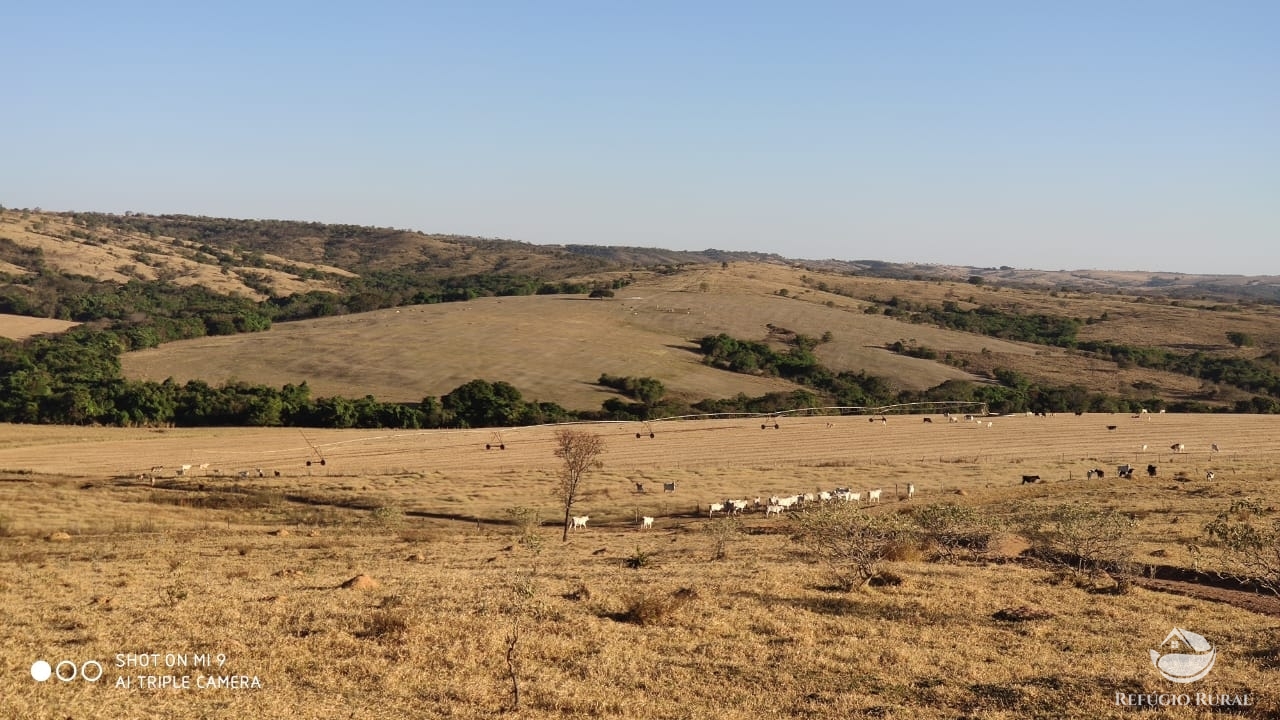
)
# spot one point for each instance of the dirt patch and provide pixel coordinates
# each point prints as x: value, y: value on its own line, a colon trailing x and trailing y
x: 1243, y: 599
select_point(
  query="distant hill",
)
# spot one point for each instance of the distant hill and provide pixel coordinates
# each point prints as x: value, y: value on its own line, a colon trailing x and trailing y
x: 1133, y: 334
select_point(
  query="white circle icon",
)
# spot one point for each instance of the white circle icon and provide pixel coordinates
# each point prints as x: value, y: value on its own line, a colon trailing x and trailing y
x: 40, y: 671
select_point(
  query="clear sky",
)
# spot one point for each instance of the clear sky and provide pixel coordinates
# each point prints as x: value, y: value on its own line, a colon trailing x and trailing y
x: 1131, y: 134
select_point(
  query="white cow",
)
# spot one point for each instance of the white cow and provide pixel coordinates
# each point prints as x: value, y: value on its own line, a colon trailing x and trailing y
x: 646, y: 523
x: 580, y: 521
x: 714, y: 508
x: 873, y: 495
x: 911, y: 490
x: 1178, y: 447
x: 737, y: 506
x: 773, y: 510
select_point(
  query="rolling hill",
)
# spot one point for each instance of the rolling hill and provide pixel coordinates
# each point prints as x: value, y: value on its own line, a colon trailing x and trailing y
x: 553, y: 347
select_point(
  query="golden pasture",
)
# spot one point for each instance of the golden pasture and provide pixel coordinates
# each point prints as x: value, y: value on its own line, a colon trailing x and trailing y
x: 198, y: 564
x: 553, y: 348
x: 20, y: 327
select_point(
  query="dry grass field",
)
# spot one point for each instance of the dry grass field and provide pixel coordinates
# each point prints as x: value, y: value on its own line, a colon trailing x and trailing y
x: 553, y: 348
x: 251, y: 569
x: 20, y: 327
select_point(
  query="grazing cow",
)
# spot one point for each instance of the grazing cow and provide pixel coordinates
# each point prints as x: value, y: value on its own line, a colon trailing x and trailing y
x: 1027, y: 479
x: 968, y: 418
x: 646, y: 523
x: 952, y: 419
x: 1125, y: 471
x: 580, y: 522
x: 928, y: 420
x: 1112, y: 427
x: 1209, y: 475
x: 668, y: 487
x: 773, y: 510
x: 1151, y: 471
x: 1178, y: 447
x: 737, y: 506
x: 873, y: 495
x: 1213, y: 447
x: 824, y: 496
x: 639, y: 487
x: 714, y: 508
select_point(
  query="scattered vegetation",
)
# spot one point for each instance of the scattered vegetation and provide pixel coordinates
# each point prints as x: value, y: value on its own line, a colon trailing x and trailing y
x: 952, y: 530
x: 1248, y: 541
x: 852, y: 543
x: 1089, y: 540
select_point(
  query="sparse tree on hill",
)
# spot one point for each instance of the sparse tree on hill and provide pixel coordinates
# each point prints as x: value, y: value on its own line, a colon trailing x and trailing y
x: 579, y: 451
x: 1239, y: 339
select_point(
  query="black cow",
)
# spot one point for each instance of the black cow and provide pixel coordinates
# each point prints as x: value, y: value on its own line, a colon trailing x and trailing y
x: 1030, y: 479
x: 1151, y: 471
x: 928, y: 420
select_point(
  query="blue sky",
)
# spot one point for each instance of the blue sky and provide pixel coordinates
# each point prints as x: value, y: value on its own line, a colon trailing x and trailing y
x: 1113, y: 135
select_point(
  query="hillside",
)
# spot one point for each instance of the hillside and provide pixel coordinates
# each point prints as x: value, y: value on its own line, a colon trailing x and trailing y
x: 355, y: 311
x: 554, y: 347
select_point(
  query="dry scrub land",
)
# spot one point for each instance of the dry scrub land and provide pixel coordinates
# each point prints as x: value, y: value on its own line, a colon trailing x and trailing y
x: 200, y: 564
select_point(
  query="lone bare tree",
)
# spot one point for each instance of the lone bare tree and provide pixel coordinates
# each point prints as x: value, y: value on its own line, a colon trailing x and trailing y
x: 580, y: 451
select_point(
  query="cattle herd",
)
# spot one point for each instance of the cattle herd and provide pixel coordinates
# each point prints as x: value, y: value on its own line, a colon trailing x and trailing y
x: 776, y: 504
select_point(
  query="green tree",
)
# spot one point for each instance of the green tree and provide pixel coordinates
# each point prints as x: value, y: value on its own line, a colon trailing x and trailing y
x: 1239, y: 339
x: 480, y: 403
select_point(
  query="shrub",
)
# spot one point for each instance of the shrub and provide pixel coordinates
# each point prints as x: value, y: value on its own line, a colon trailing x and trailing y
x: 852, y: 543
x: 388, y: 515
x: 653, y: 609
x: 952, y: 528
x: 722, y: 532
x: 1249, y: 544
x: 638, y: 559
x: 1086, y: 539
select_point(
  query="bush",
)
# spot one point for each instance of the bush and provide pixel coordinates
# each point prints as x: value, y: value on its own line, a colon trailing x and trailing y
x: 954, y: 528
x: 722, y: 532
x: 1088, y: 540
x: 1249, y: 544
x: 654, y: 609
x: 852, y: 543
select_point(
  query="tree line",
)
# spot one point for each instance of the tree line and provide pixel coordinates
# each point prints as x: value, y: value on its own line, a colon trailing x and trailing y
x: 1251, y: 375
